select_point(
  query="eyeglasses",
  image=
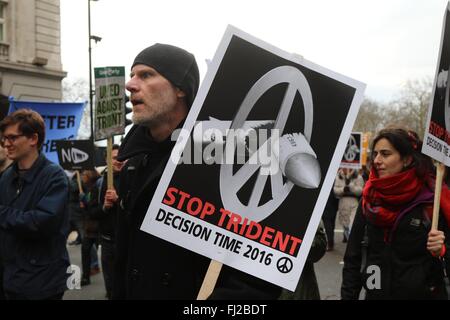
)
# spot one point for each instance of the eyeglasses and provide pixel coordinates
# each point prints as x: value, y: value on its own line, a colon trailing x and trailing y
x: 11, y: 138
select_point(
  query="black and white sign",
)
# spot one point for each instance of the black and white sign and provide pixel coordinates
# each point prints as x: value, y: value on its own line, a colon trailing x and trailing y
x: 110, y: 102
x: 436, y: 142
x: 75, y: 154
x: 353, y: 152
x: 266, y: 132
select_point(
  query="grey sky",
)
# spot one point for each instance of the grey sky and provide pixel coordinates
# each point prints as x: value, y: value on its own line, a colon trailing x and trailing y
x: 382, y: 43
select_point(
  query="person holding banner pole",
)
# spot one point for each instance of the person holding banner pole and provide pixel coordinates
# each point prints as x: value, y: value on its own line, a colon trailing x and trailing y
x: 107, y: 219
x: 34, y: 220
x: 164, y: 81
x: 89, y: 202
x: 393, y: 251
x: 348, y: 187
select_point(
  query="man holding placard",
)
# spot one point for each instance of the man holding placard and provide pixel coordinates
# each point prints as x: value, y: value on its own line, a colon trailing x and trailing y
x: 164, y: 81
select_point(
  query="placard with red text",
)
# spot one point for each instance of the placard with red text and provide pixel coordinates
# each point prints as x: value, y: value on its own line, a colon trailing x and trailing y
x: 252, y: 169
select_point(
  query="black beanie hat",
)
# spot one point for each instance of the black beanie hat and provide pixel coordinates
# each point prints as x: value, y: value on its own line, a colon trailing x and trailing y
x: 175, y: 64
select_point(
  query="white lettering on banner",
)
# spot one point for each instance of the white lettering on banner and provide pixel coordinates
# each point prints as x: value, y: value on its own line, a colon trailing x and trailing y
x: 74, y: 155
x: 108, y: 72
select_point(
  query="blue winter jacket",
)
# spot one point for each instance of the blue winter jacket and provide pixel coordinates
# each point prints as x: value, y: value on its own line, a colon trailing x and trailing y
x: 34, y: 224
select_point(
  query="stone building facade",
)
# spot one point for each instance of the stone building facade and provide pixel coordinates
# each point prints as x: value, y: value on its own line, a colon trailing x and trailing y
x: 30, y: 50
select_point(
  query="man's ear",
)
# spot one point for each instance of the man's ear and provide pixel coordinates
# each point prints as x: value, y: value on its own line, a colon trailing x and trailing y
x: 180, y: 93
x: 34, y: 139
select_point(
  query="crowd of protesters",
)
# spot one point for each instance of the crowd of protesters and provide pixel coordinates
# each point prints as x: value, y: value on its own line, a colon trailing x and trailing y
x: 385, y: 220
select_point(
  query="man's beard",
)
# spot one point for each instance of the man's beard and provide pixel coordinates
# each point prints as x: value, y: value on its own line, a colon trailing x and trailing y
x: 146, y: 121
x: 160, y: 115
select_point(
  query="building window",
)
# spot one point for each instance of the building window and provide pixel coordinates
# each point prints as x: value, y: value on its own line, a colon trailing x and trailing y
x: 2, y: 21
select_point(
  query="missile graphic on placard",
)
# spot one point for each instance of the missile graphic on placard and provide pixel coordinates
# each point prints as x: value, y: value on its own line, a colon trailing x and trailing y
x: 298, y: 161
x: 296, y: 158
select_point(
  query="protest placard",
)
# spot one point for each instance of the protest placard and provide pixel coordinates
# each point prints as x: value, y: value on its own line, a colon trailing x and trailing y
x: 256, y: 209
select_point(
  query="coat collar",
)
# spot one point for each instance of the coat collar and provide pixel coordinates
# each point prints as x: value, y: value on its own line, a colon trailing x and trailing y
x: 29, y: 174
x: 139, y: 141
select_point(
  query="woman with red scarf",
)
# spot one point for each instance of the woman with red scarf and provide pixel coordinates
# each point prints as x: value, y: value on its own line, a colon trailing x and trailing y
x: 392, y: 251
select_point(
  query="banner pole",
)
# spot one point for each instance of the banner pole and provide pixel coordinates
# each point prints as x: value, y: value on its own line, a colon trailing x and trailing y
x: 109, y: 176
x: 80, y: 188
x: 210, y: 280
x: 440, y: 168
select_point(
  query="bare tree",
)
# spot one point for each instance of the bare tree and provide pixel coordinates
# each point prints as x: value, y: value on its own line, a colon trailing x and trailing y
x: 408, y: 110
x: 370, y: 117
x: 411, y: 108
x: 77, y: 90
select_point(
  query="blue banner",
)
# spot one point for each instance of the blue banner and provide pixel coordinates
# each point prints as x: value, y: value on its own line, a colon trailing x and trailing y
x: 62, y: 120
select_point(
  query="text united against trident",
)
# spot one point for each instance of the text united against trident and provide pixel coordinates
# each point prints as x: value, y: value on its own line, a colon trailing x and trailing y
x: 109, y: 107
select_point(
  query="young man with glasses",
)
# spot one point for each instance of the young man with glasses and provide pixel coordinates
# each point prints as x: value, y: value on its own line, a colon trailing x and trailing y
x: 33, y: 217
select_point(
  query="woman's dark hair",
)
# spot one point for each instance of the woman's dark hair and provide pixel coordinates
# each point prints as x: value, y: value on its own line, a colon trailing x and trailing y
x: 407, y: 143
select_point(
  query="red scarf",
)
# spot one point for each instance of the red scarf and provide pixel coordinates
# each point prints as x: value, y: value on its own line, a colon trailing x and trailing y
x: 384, y: 198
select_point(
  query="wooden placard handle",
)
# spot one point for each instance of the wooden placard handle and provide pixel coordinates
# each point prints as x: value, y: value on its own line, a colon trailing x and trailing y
x: 109, y: 176
x: 440, y: 168
x: 80, y: 188
x: 210, y: 280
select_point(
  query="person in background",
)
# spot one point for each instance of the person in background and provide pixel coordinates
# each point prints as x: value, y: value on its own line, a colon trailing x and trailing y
x: 348, y: 187
x: 107, y: 217
x: 307, y: 287
x: 364, y: 172
x: 329, y: 219
x: 392, y: 250
x: 75, y: 211
x: 89, y: 202
x: 34, y: 220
